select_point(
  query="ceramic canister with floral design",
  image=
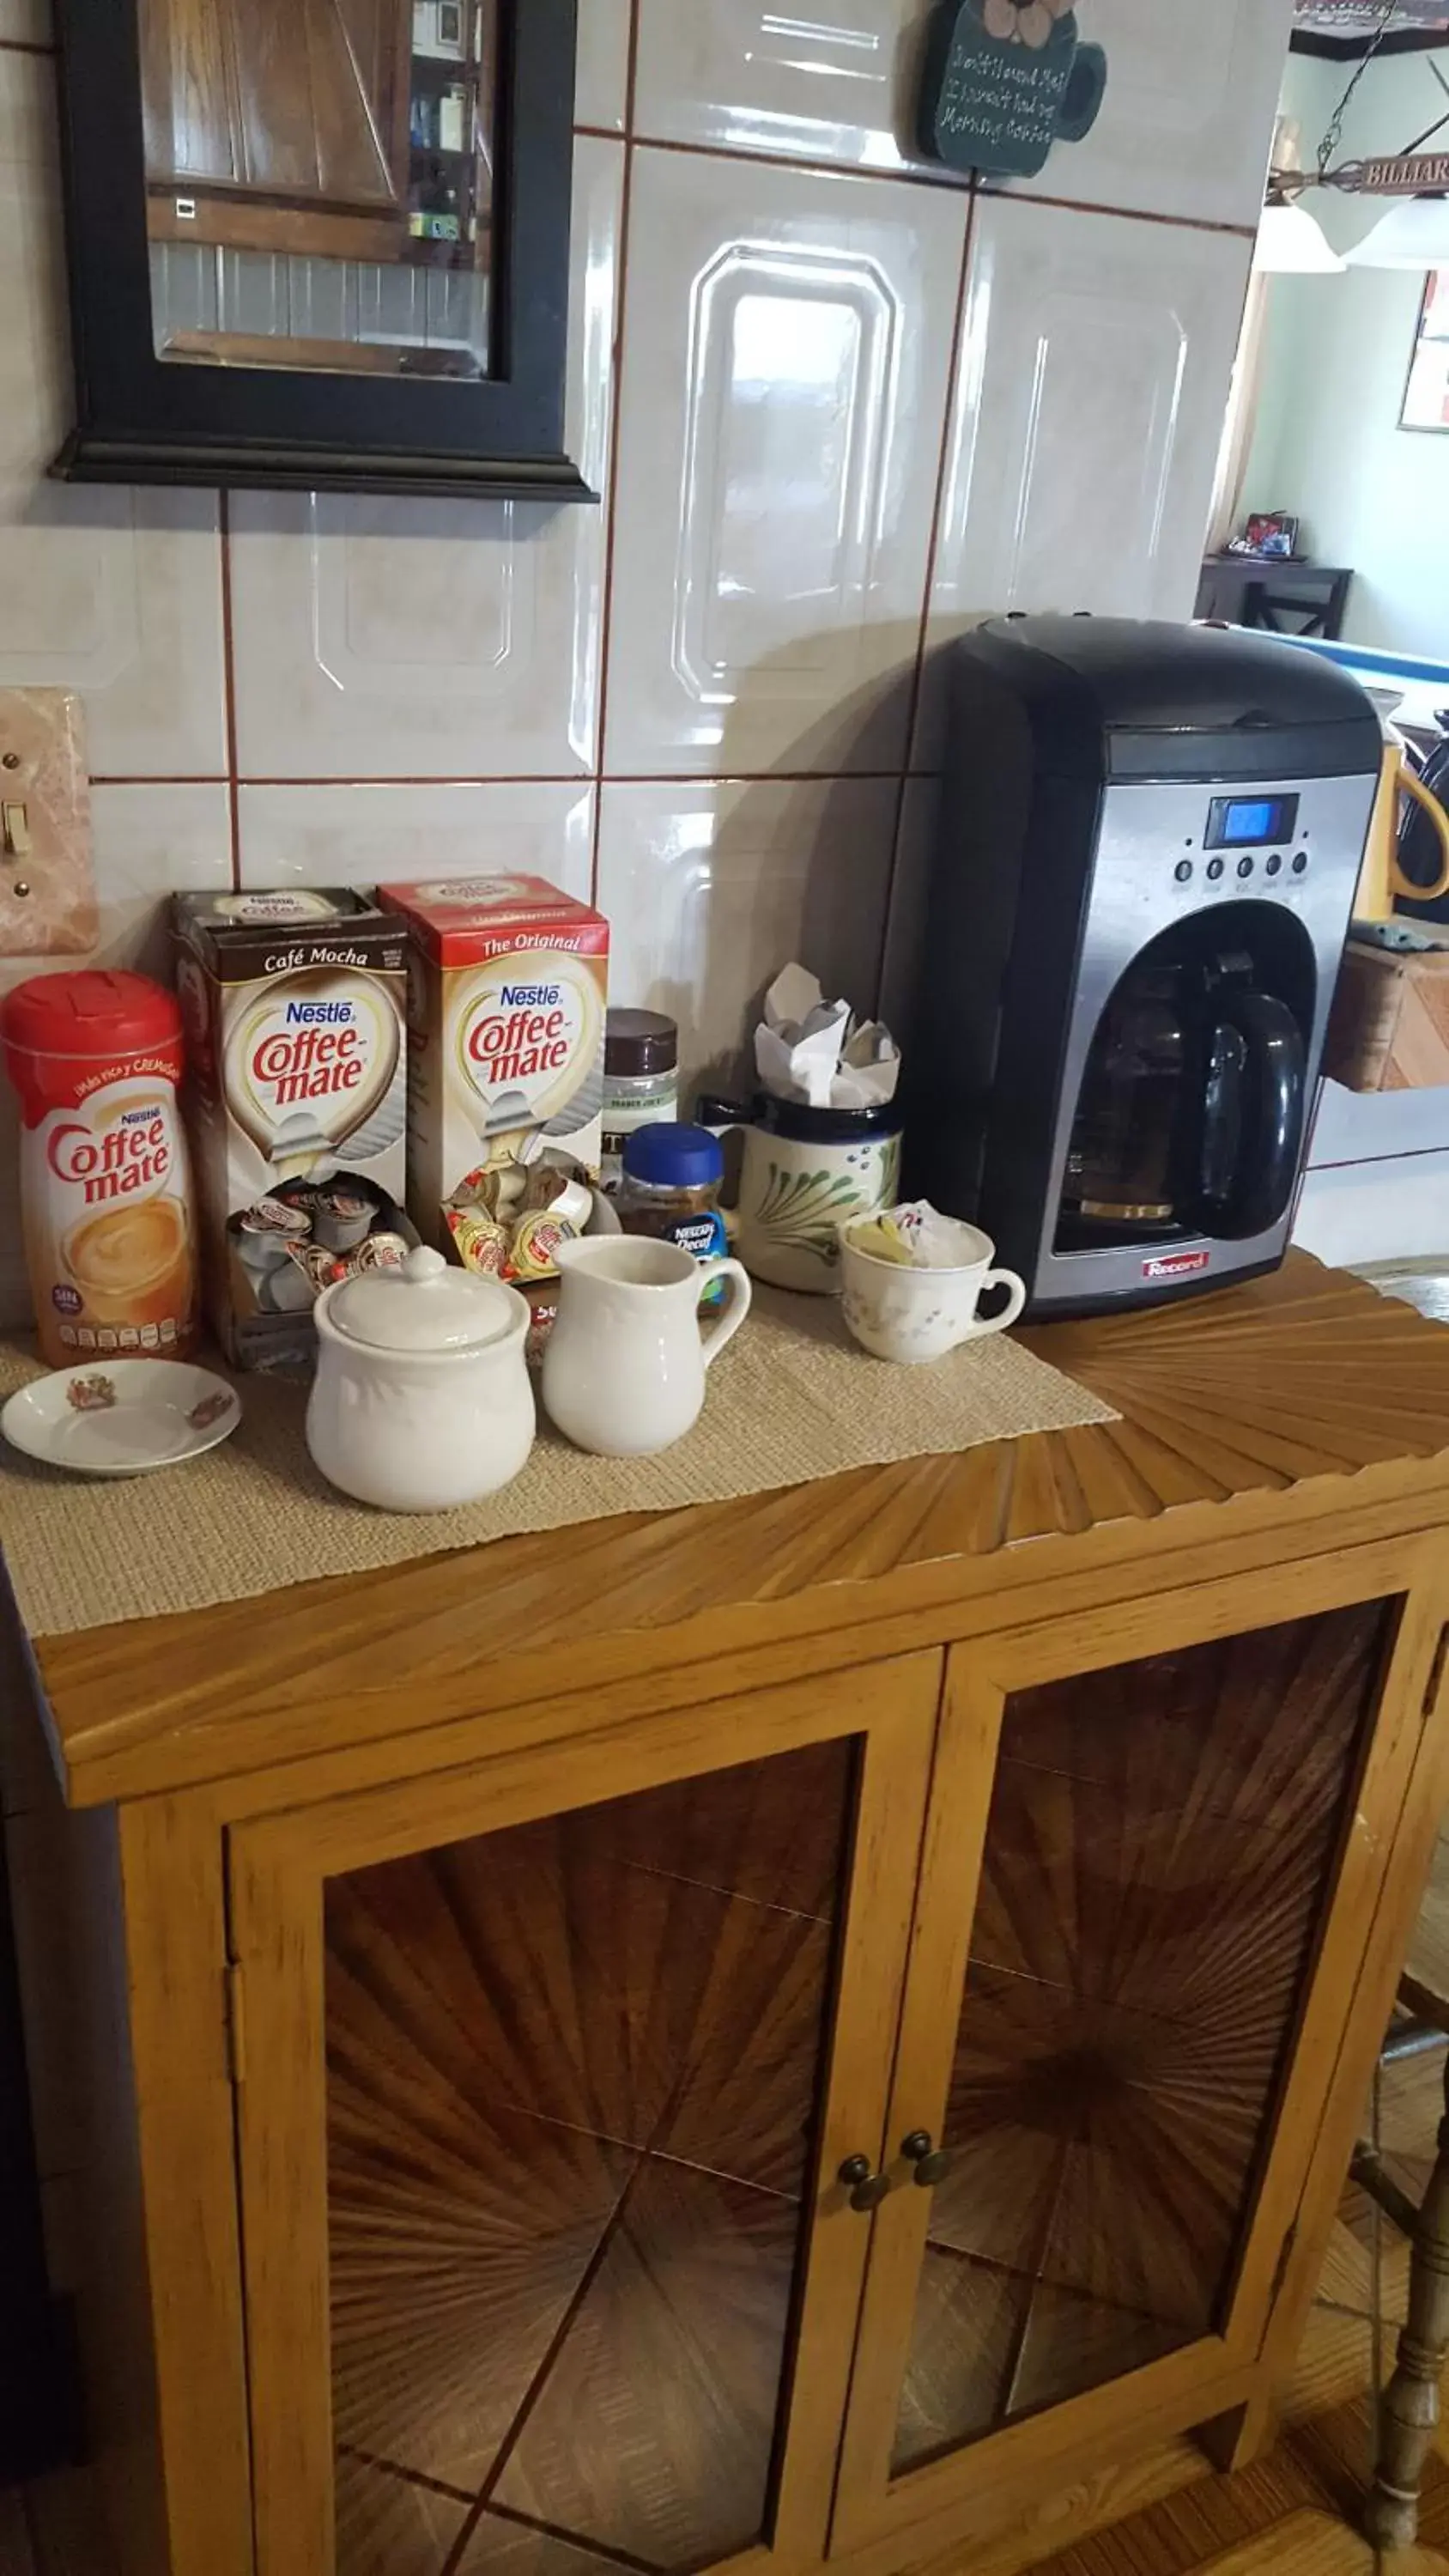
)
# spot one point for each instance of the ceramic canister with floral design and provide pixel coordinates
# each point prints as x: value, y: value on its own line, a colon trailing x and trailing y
x: 804, y: 1173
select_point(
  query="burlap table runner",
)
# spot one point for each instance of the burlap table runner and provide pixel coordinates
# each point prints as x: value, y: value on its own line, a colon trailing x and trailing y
x: 791, y: 1400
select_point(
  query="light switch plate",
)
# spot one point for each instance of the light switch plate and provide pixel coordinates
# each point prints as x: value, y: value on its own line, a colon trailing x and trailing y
x: 47, y: 880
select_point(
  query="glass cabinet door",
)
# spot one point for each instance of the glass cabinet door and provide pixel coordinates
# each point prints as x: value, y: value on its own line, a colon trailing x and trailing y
x: 551, y: 2097
x: 1129, y: 1891
x: 572, y: 2073
x: 1156, y: 1869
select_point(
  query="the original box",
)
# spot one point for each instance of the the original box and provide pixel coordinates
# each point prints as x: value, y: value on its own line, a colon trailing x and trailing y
x: 507, y: 995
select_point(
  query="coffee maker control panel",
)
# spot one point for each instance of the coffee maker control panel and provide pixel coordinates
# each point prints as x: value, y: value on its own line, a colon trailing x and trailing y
x: 1184, y: 875
x: 1246, y: 838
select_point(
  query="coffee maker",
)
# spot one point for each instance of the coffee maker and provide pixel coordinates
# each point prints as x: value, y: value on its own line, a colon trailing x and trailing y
x: 1139, y: 893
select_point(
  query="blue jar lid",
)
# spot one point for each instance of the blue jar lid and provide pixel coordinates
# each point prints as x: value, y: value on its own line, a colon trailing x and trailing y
x: 670, y: 1157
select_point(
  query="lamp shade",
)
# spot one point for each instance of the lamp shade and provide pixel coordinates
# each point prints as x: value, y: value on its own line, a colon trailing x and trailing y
x: 1291, y: 244
x: 1413, y: 234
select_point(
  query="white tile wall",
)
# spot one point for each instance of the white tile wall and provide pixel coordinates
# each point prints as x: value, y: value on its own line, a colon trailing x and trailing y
x: 1187, y: 120
x: 1184, y: 128
x: 1086, y: 418
x: 427, y: 639
x: 359, y: 834
x: 832, y: 84
x: 712, y: 885
x: 783, y: 397
x: 425, y: 687
x: 603, y: 67
x: 115, y: 593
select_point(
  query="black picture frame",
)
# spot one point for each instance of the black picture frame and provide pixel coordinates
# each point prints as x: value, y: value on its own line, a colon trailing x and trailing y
x: 143, y: 419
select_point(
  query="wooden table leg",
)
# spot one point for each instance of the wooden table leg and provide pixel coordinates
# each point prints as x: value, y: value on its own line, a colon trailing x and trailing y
x: 1410, y: 2408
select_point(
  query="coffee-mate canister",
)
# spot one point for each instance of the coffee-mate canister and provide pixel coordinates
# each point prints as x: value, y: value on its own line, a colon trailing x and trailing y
x: 109, y: 1238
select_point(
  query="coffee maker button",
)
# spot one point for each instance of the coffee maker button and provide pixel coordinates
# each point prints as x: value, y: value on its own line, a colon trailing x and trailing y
x: 1215, y: 869
x: 1300, y: 862
x: 1245, y: 867
x: 1275, y: 864
x: 1183, y: 871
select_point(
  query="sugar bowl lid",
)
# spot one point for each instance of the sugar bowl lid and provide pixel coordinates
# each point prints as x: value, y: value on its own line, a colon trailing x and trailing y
x: 427, y: 1305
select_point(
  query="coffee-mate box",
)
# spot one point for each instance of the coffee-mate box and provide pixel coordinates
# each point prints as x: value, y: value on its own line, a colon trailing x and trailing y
x: 508, y: 987
x: 295, y: 1007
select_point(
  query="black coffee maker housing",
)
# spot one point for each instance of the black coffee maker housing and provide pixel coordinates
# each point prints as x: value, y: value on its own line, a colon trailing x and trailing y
x: 1142, y: 880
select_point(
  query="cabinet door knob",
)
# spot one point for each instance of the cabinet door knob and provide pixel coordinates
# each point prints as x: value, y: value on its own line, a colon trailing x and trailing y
x: 867, y: 2190
x: 932, y: 2163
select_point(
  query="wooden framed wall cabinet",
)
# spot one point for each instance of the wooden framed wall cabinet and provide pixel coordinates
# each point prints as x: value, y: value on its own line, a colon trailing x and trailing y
x: 874, y: 2055
x: 320, y: 244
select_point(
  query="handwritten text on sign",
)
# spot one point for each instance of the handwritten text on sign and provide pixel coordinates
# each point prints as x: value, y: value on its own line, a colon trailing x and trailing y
x: 1003, y: 102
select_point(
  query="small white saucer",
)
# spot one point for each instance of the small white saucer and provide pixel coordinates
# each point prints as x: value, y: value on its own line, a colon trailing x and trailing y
x: 121, y: 1417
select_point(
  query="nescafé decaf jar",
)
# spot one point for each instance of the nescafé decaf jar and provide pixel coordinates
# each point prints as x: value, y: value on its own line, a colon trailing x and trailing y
x: 670, y: 1188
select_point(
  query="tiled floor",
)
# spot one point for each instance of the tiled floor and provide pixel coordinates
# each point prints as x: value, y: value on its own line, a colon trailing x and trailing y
x: 1294, y: 2514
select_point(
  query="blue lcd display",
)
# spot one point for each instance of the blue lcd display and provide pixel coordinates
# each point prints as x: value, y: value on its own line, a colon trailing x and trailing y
x: 1251, y: 822
x: 1247, y: 823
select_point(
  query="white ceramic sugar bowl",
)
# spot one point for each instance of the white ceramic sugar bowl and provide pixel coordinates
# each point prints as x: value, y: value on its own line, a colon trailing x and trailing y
x: 422, y: 1397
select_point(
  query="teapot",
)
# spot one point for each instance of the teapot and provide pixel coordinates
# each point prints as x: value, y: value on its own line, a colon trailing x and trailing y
x: 422, y: 1397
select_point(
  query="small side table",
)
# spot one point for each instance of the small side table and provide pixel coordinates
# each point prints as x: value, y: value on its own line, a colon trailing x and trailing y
x: 1282, y: 594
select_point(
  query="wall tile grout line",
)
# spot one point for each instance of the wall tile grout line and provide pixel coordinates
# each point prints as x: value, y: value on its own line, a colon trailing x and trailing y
x: 606, y: 621
x: 948, y: 181
x: 943, y: 464
x: 581, y: 780
x: 1123, y: 214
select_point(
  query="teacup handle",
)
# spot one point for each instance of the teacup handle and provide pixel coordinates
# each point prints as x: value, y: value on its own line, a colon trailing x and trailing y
x: 1015, y: 1300
x: 736, y: 1309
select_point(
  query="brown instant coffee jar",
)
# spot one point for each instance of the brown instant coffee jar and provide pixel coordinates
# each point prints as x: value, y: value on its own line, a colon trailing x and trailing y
x: 671, y: 1187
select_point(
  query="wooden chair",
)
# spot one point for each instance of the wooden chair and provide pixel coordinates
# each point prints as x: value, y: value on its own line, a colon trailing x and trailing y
x: 1409, y: 2415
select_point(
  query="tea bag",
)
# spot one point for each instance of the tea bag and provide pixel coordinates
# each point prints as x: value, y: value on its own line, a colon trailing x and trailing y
x: 917, y: 1237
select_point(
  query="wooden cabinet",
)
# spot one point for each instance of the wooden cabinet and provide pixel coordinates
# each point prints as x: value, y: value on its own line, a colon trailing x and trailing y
x: 826, y: 2098
x: 553, y: 2066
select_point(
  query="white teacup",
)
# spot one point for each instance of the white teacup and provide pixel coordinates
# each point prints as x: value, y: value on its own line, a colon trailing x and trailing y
x: 905, y: 1314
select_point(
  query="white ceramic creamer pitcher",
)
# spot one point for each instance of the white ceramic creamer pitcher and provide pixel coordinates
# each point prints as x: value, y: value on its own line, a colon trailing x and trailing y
x: 624, y: 1369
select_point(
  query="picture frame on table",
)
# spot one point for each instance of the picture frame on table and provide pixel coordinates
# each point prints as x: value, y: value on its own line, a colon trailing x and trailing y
x: 1273, y: 534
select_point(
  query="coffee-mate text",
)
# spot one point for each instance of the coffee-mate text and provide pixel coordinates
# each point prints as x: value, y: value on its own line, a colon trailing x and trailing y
x: 132, y: 1156
x: 309, y: 1062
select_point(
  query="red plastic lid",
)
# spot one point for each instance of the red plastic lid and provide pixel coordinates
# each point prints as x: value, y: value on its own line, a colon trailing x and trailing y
x: 95, y: 1012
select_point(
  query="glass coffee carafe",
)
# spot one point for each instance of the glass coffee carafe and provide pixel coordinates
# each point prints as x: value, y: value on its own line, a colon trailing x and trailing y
x: 1190, y: 1117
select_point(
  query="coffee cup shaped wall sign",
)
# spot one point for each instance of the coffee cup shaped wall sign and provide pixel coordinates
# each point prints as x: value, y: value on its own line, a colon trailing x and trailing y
x: 1004, y: 81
